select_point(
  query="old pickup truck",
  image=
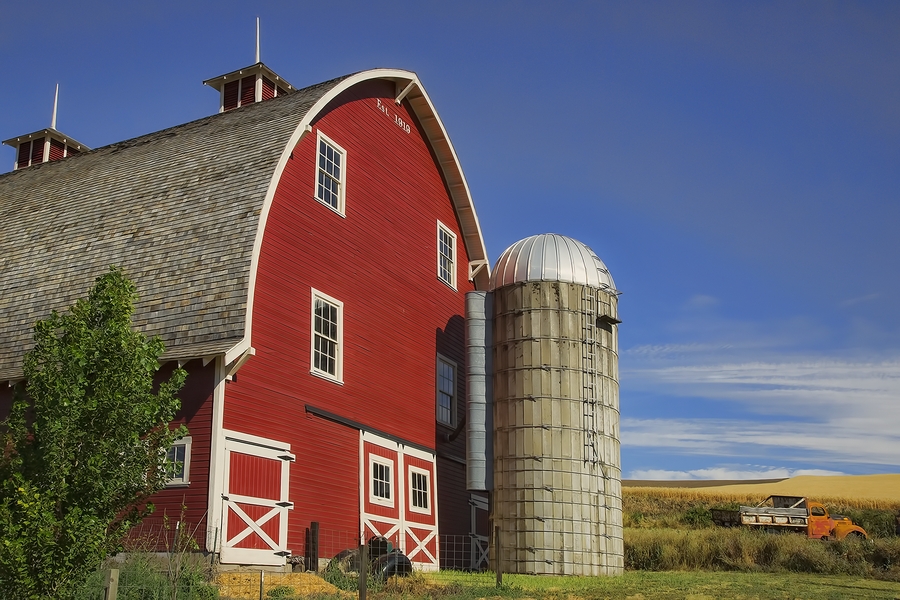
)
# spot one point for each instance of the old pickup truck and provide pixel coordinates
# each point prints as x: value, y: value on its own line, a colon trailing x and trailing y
x: 791, y: 513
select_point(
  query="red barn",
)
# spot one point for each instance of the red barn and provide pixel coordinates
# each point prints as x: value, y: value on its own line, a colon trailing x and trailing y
x: 306, y: 259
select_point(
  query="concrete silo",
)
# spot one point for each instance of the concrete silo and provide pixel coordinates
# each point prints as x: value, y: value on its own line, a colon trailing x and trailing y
x: 556, y: 462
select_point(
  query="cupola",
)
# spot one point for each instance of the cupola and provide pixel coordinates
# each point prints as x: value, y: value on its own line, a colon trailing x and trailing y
x: 248, y: 85
x: 44, y: 145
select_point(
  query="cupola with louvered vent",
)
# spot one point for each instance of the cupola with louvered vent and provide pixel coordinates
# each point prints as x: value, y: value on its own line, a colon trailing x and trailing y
x: 248, y: 85
x: 44, y: 145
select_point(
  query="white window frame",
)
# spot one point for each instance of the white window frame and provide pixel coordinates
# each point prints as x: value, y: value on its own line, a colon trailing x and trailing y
x: 185, y: 478
x: 441, y: 228
x: 342, y: 180
x: 338, y: 375
x: 437, y: 391
x: 412, y: 492
x: 389, y: 464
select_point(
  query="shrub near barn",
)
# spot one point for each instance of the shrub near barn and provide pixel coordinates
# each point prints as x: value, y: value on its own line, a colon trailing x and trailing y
x: 85, y: 442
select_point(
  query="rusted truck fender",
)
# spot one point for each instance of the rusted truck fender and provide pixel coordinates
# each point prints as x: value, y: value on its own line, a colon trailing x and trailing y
x: 844, y: 527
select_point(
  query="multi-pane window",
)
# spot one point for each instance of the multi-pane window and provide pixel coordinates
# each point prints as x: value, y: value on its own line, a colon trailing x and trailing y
x: 326, y: 334
x: 446, y: 392
x: 331, y: 174
x: 446, y: 242
x: 380, y: 470
x: 178, y: 458
x: 418, y: 489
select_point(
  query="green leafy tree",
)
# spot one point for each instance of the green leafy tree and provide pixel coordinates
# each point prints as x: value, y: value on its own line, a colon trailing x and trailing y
x: 84, y: 444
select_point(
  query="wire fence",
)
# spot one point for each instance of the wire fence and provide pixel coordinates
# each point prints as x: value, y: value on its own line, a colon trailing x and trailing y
x: 165, y: 535
x: 165, y: 559
x: 464, y: 552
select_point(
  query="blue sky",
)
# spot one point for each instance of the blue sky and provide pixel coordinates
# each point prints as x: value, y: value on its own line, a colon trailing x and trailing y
x: 736, y: 165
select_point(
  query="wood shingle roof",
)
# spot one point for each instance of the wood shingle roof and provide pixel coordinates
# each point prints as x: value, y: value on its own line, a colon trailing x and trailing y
x: 178, y: 209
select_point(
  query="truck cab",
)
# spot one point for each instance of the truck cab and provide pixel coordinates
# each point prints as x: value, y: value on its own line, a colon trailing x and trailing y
x: 824, y: 526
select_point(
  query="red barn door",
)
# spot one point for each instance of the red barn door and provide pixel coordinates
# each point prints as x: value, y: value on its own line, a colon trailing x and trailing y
x: 398, y: 498
x: 255, y: 503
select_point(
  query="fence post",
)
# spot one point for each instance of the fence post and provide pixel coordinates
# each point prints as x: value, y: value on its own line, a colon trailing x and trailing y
x: 363, y: 568
x: 111, y: 590
x: 313, y: 549
x: 262, y: 584
x: 498, y: 570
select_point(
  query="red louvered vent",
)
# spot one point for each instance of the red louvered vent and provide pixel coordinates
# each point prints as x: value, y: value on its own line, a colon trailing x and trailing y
x: 281, y: 92
x: 57, y: 149
x: 70, y: 151
x: 24, y: 154
x: 268, y: 89
x: 231, y: 95
x: 37, y: 151
x: 248, y: 90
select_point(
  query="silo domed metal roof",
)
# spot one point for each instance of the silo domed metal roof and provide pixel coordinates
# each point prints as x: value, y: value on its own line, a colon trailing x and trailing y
x: 551, y: 257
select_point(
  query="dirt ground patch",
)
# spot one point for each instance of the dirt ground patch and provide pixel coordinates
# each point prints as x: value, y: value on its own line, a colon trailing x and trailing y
x: 245, y: 584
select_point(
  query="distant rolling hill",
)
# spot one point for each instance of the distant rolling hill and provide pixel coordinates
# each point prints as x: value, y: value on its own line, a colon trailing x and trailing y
x: 880, y: 487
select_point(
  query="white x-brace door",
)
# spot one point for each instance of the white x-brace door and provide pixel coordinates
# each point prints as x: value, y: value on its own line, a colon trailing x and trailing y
x: 255, y: 503
x: 415, y: 532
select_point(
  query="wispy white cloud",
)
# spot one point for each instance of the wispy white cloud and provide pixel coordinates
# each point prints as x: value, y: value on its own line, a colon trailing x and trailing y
x: 858, y: 300
x: 728, y: 472
x: 812, y: 410
x: 809, y: 388
x: 827, y: 442
x: 701, y: 302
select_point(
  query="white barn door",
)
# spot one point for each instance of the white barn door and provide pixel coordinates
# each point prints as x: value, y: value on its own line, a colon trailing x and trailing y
x: 255, y: 503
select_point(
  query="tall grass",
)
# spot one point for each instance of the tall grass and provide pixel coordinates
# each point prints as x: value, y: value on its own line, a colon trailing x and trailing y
x: 680, y: 508
x: 143, y: 576
x: 745, y: 550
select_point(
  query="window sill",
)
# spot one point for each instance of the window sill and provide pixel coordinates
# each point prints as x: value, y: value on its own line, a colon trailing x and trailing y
x: 178, y: 484
x: 326, y: 377
x: 340, y: 213
x: 381, y: 502
x: 448, y: 284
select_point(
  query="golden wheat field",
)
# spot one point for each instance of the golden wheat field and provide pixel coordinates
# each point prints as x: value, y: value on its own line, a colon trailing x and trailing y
x: 878, y: 490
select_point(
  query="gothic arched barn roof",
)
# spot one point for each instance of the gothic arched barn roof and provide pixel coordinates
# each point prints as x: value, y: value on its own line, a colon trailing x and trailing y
x: 183, y: 211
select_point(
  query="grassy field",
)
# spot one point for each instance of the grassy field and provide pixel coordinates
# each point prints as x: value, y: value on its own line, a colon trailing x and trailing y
x: 680, y: 508
x: 633, y: 585
x: 877, y: 488
x: 694, y: 585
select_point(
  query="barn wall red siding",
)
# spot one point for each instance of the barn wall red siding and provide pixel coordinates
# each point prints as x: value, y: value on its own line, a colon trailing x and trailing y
x: 324, y: 484
x: 380, y: 260
x: 196, y: 414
